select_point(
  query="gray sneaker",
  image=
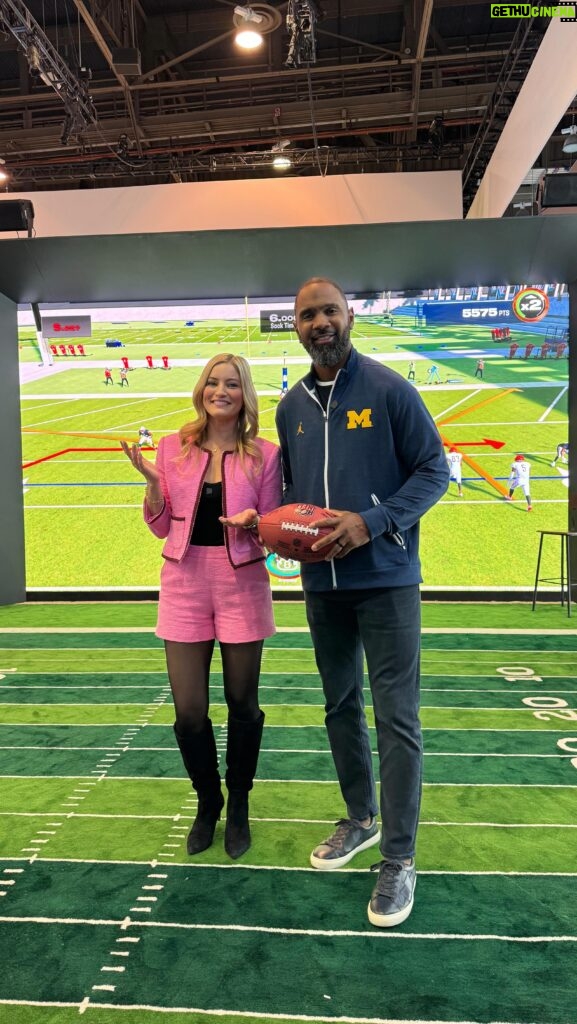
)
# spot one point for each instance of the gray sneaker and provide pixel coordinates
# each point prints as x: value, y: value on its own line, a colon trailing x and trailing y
x: 348, y: 839
x: 393, y: 895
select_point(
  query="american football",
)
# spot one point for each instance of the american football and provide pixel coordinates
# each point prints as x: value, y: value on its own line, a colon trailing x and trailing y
x: 287, y: 532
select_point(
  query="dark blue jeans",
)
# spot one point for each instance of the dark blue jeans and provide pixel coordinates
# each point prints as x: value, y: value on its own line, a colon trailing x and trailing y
x: 386, y: 625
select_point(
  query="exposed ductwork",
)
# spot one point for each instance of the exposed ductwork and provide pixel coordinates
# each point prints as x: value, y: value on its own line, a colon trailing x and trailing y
x: 165, y: 95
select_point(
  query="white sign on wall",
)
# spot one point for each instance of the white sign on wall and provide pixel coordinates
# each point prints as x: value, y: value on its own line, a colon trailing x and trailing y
x: 66, y: 327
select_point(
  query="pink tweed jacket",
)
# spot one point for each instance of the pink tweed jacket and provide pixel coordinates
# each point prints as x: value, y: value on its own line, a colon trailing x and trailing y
x: 181, y: 481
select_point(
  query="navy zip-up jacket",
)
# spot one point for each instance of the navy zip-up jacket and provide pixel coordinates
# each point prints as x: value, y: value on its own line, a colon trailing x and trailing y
x: 375, y: 451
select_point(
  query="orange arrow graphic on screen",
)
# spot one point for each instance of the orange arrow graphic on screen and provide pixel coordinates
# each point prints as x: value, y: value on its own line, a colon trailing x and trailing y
x: 466, y: 458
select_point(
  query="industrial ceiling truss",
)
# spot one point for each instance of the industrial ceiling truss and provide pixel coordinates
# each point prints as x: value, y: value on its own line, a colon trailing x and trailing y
x: 95, y: 93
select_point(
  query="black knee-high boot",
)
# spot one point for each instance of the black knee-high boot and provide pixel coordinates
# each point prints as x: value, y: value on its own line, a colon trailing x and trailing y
x: 198, y: 750
x: 242, y: 749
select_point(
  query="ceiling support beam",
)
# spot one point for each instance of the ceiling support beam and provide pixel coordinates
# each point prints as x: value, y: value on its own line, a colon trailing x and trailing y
x: 184, y: 56
x: 547, y: 93
x: 357, y: 42
x: 425, y: 11
x: 107, y: 54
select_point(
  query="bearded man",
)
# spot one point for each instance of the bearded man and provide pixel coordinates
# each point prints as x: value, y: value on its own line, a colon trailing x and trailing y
x: 356, y: 438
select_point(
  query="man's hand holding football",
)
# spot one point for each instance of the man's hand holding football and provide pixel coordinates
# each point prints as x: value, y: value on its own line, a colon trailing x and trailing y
x: 350, y: 532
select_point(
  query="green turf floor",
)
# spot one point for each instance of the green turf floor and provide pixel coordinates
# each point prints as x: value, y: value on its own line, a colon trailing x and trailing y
x: 436, y: 614
x: 103, y: 914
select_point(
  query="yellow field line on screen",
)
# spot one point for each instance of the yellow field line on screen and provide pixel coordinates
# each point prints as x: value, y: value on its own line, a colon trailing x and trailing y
x: 477, y: 405
x: 71, y: 433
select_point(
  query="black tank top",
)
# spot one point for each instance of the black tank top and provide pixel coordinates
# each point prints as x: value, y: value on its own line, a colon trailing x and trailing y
x: 208, y: 532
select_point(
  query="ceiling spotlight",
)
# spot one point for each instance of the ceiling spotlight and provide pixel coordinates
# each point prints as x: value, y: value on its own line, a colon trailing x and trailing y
x: 67, y: 129
x: 3, y: 172
x: 33, y: 55
x: 123, y: 146
x: 281, y: 160
x: 435, y: 134
x: 570, y: 144
x: 247, y: 22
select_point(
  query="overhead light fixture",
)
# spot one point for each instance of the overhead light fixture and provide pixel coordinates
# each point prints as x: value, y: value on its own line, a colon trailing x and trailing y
x: 281, y: 160
x: 247, y: 21
x: 301, y: 19
x: 570, y: 144
x: 67, y: 129
x: 435, y: 134
x: 33, y: 55
x: 3, y: 172
x: 126, y: 61
x: 521, y: 208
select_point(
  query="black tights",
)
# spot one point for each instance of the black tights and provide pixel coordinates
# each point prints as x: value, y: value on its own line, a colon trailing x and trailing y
x: 189, y: 671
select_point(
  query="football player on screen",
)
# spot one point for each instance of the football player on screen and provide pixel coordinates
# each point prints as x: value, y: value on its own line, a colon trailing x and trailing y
x: 455, y: 461
x: 562, y: 453
x: 520, y: 476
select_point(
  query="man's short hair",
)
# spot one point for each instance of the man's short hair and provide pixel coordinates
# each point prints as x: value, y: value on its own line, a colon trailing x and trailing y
x: 322, y: 280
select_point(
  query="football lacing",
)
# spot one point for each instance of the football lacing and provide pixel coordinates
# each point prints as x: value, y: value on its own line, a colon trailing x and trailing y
x: 300, y: 528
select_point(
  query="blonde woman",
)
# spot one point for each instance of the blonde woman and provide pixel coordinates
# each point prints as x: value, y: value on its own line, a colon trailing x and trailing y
x: 204, y: 493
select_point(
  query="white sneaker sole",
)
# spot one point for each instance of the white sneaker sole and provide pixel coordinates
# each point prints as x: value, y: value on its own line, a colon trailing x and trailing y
x: 390, y: 920
x: 330, y: 864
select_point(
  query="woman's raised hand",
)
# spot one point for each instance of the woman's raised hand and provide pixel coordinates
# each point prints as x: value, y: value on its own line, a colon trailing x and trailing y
x: 142, y: 465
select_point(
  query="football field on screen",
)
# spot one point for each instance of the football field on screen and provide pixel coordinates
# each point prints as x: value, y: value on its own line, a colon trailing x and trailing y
x: 83, y: 499
x: 103, y: 915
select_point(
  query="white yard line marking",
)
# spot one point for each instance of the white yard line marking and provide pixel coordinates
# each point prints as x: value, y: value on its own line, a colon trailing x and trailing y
x: 457, y: 630
x: 316, y: 1019
x: 321, y: 932
x: 305, y: 821
x: 302, y: 750
x: 272, y: 689
x: 307, y: 782
x: 270, y: 708
x: 188, y: 865
x: 563, y: 391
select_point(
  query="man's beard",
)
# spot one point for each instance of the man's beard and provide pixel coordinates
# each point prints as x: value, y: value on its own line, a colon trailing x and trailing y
x: 329, y: 353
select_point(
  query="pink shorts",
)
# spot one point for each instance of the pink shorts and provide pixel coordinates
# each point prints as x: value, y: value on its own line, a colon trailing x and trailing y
x: 204, y: 598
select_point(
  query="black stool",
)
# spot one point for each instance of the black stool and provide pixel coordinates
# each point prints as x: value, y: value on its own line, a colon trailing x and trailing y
x: 565, y: 578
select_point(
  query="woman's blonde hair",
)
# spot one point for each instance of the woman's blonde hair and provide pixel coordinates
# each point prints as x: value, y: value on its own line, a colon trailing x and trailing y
x: 195, y: 433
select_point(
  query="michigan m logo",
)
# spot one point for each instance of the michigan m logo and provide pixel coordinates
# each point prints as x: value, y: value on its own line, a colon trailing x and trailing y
x: 358, y: 419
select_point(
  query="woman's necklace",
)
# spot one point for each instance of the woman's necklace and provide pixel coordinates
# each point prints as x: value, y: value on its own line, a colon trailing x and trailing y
x: 216, y: 448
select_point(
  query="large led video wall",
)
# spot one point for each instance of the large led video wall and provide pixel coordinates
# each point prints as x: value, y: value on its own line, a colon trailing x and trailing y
x: 490, y: 363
